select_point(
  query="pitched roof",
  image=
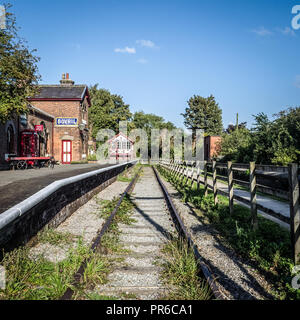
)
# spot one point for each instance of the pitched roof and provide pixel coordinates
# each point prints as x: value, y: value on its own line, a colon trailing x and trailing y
x: 118, y: 135
x: 60, y: 92
x: 30, y: 106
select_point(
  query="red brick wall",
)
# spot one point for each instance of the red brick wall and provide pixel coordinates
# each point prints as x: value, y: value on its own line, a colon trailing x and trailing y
x: 66, y: 109
x: 211, y: 147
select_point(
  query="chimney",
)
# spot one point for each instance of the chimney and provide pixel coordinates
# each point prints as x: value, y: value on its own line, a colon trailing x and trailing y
x: 66, y: 81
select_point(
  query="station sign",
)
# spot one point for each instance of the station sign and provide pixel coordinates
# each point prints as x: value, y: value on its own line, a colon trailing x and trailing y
x: 39, y: 128
x: 66, y: 122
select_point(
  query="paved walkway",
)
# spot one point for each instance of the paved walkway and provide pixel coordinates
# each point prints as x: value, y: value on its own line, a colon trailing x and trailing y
x: 16, y: 186
x: 279, y: 207
x: 282, y: 208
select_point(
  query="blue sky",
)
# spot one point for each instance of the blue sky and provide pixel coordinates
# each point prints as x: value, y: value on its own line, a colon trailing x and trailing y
x: 157, y: 54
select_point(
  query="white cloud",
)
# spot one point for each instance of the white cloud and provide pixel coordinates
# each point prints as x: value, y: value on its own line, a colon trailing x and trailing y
x: 297, y: 81
x: 146, y: 43
x: 262, y: 32
x: 126, y: 50
x: 142, y: 61
x: 287, y: 31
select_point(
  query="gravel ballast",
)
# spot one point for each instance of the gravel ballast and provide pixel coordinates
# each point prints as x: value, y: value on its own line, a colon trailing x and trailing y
x: 236, y: 278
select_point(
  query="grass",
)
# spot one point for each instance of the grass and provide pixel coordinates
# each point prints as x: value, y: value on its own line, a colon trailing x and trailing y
x: 56, y: 238
x: 128, y: 174
x: 180, y: 270
x: 244, y: 188
x: 269, y: 247
x: 38, y: 279
x: 110, y: 242
x: 80, y: 162
x: 96, y: 296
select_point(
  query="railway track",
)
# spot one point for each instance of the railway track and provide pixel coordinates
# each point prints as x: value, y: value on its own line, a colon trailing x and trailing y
x: 155, y: 221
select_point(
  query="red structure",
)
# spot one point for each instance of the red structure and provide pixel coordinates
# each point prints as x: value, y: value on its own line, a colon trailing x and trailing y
x: 29, y: 151
x: 211, y: 147
x: 29, y: 144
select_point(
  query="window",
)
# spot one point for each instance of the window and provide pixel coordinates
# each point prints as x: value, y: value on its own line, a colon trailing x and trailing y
x: 10, y: 140
x: 128, y: 145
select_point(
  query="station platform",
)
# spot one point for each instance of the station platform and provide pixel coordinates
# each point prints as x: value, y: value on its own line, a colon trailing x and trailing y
x: 16, y: 186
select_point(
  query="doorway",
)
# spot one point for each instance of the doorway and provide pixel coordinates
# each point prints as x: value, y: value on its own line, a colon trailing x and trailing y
x: 66, y: 151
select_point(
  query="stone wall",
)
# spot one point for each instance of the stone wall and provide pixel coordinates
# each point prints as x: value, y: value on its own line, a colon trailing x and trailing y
x: 56, y: 208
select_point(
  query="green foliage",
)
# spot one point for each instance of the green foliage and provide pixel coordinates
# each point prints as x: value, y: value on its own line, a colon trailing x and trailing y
x: 80, y: 162
x: 204, y: 113
x: 56, y: 238
x: 236, y: 146
x: 276, y: 142
x: 18, y: 71
x: 180, y: 269
x: 39, y: 279
x: 148, y: 122
x: 111, y: 239
x: 92, y: 157
x: 269, y: 246
x: 107, y: 110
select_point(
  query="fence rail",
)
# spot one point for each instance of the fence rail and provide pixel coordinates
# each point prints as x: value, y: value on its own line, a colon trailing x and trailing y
x: 197, y: 172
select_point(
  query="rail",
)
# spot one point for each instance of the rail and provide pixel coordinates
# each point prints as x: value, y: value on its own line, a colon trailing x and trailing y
x: 53, y: 203
x: 194, y: 172
x: 97, y: 241
x: 183, y: 231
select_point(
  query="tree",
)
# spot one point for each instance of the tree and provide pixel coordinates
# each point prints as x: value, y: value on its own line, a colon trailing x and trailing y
x: 148, y: 122
x: 276, y: 142
x: 232, y: 127
x: 107, y: 110
x: 18, y: 71
x: 203, y: 113
x: 237, y: 146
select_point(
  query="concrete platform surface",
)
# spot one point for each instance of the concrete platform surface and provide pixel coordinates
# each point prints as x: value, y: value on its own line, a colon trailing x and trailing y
x: 16, y: 186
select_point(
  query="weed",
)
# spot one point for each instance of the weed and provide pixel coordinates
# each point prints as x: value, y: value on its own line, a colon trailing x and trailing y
x: 56, y: 238
x: 269, y: 247
x: 180, y: 270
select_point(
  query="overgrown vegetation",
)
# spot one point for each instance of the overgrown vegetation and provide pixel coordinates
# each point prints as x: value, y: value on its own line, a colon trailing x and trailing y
x: 56, y: 238
x: 111, y: 240
x: 128, y: 174
x: 29, y: 278
x: 276, y: 142
x: 269, y: 247
x: 180, y: 270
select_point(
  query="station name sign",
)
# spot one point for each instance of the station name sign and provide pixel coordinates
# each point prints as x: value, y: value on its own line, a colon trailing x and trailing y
x: 66, y: 122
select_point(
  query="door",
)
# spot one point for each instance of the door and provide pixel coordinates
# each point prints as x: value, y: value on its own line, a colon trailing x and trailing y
x: 66, y: 151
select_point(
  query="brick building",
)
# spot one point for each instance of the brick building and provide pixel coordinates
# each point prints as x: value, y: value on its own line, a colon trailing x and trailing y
x: 211, y: 147
x: 68, y: 104
x: 10, y: 133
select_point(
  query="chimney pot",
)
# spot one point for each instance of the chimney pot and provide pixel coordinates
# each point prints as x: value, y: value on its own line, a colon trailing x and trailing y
x: 66, y: 81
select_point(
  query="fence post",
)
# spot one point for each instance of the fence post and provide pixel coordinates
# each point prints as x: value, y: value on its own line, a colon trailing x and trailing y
x: 205, y: 179
x: 215, y: 187
x: 178, y: 171
x: 230, y: 186
x: 253, y: 195
x: 198, y: 175
x: 294, y: 211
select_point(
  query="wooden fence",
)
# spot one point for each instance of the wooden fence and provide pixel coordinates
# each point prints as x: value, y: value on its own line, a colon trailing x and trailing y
x: 198, y: 172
